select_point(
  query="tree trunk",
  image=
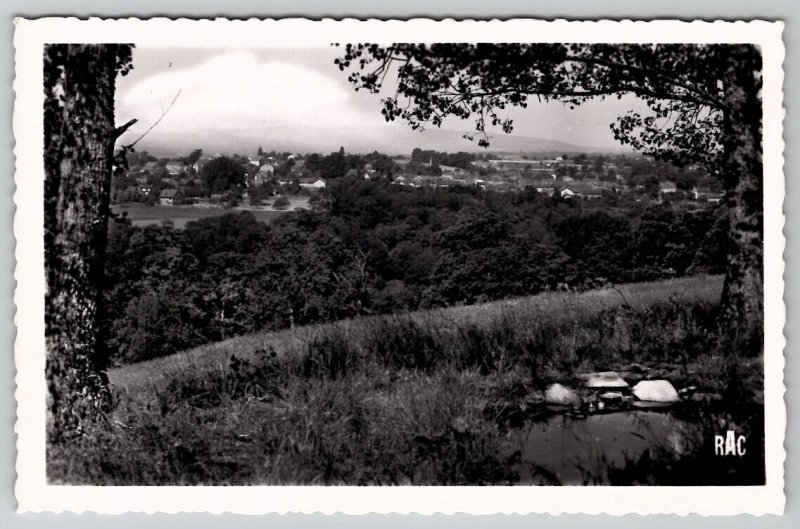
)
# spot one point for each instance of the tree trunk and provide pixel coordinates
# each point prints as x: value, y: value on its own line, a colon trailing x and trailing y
x: 79, y: 143
x: 743, y: 291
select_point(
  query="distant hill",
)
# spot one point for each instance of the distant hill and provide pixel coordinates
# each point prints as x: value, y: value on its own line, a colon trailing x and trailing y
x: 390, y: 140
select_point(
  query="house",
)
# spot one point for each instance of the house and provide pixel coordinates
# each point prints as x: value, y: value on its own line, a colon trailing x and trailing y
x: 264, y: 173
x: 312, y: 183
x: 145, y: 189
x: 169, y: 197
x: 543, y: 187
x: 667, y: 187
x: 707, y: 194
x: 419, y: 180
x: 449, y: 170
x: 581, y: 190
x: 175, y: 168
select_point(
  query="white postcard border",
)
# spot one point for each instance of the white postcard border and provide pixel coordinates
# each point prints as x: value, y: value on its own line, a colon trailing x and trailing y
x: 33, y: 492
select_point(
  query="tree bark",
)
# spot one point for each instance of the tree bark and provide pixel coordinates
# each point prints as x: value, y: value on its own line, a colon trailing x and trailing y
x: 78, y: 157
x: 743, y: 290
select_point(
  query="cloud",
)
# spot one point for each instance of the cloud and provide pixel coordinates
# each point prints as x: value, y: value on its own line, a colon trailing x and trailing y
x: 238, y: 91
x: 296, y: 99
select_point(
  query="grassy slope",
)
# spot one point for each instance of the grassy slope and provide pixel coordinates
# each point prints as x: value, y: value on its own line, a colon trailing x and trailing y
x: 426, y: 398
x: 530, y: 312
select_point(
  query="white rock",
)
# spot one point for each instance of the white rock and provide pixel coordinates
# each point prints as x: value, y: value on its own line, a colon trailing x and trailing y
x: 604, y: 379
x: 558, y: 394
x: 611, y: 395
x: 656, y: 391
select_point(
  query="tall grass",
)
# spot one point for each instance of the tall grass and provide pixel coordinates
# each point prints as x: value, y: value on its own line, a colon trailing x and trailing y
x: 423, y: 398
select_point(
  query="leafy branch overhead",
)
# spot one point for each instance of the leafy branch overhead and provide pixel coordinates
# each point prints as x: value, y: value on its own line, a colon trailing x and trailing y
x: 681, y: 85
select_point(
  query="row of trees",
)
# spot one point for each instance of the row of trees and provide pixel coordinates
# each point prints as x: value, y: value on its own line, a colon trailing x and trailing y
x: 338, y: 164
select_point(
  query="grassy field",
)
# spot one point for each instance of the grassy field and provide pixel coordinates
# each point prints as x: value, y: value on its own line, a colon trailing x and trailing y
x: 143, y: 215
x: 431, y: 397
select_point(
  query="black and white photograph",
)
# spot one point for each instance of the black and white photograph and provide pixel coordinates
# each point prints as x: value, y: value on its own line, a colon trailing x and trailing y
x: 368, y: 260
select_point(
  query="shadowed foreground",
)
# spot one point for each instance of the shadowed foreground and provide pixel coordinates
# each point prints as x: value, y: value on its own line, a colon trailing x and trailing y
x: 437, y: 397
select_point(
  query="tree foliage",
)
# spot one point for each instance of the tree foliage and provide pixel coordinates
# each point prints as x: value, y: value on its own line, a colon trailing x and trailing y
x: 681, y: 85
x: 222, y: 174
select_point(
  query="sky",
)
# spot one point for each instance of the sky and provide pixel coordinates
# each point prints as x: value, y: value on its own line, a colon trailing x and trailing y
x: 237, y: 99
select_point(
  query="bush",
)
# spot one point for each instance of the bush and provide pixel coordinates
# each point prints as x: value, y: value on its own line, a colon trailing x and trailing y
x: 281, y: 203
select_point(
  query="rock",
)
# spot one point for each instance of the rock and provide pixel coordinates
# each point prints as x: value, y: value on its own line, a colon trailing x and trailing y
x: 611, y: 395
x: 638, y: 368
x: 561, y: 395
x: 604, y: 379
x: 658, y: 391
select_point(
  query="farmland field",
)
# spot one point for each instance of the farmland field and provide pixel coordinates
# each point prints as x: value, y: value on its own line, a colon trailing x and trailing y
x: 143, y: 215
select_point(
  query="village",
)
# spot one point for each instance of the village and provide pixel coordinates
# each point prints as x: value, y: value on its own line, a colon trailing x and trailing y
x: 269, y: 180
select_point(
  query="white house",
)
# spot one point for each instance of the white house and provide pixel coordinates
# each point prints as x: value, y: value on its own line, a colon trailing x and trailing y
x: 318, y: 183
x: 667, y: 187
x: 175, y: 168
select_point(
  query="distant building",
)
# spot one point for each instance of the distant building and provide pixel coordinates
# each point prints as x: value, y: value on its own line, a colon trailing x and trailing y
x: 543, y: 186
x: 312, y: 183
x: 667, y: 187
x: 581, y: 190
x: 169, y: 197
x: 175, y: 168
x: 449, y: 170
x: 707, y: 194
x: 264, y: 173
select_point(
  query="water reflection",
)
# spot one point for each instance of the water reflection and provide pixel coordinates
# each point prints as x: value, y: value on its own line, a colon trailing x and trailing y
x: 580, y: 451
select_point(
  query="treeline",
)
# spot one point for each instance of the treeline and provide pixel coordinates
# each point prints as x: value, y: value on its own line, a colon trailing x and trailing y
x: 435, y: 158
x: 377, y: 248
x: 339, y: 164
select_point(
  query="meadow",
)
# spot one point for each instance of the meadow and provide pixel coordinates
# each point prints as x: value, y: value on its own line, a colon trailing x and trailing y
x: 144, y: 215
x: 429, y: 397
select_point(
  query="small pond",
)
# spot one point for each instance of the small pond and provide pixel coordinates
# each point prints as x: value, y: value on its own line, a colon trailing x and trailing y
x: 568, y: 450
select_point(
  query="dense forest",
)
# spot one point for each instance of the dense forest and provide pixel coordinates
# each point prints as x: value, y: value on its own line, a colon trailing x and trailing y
x: 370, y: 247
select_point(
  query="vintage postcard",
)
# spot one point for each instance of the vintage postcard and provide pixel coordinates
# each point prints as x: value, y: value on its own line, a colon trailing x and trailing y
x: 399, y: 266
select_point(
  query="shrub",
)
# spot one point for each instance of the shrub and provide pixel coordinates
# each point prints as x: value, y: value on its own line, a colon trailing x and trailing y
x: 280, y: 203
